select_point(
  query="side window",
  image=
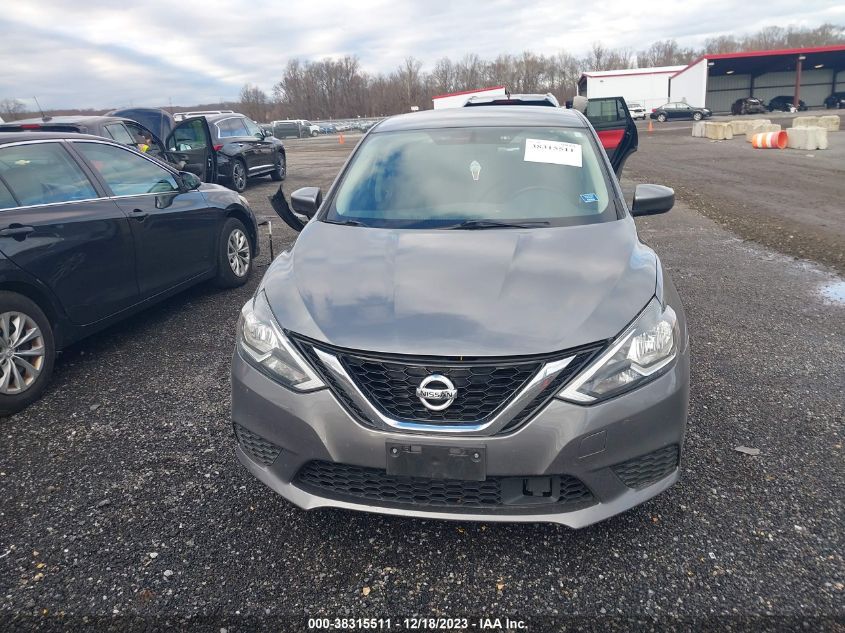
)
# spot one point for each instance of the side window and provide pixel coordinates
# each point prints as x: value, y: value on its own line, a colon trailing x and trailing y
x: 252, y: 128
x: 119, y: 133
x: 231, y: 127
x: 138, y: 131
x: 7, y: 200
x: 188, y: 136
x: 603, y: 111
x: 125, y: 172
x: 43, y: 173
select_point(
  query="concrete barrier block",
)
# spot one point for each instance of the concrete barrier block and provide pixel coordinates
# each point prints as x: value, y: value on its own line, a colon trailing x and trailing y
x: 830, y: 122
x: 760, y: 127
x: 698, y: 129
x: 718, y: 131
x: 739, y: 127
x: 805, y: 121
x: 807, y: 138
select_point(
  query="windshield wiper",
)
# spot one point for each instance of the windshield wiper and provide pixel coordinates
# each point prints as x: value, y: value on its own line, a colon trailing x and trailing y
x: 496, y: 224
x: 345, y: 222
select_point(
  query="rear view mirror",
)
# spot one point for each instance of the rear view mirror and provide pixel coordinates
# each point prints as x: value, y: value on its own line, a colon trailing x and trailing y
x: 191, y: 181
x: 306, y: 200
x: 649, y: 199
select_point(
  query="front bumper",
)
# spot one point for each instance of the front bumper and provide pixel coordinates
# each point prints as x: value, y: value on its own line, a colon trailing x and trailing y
x: 585, y: 442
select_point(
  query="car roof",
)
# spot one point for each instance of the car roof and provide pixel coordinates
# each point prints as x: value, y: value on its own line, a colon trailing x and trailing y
x: 223, y: 115
x: 482, y: 117
x: 67, y: 119
x: 18, y: 137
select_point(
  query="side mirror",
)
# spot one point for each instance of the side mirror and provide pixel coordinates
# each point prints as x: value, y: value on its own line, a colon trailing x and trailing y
x: 306, y: 200
x: 191, y: 181
x: 649, y: 199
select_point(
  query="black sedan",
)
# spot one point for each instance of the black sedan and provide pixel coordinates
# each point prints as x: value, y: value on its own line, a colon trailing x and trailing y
x: 786, y: 103
x: 91, y: 232
x: 748, y: 105
x: 679, y: 110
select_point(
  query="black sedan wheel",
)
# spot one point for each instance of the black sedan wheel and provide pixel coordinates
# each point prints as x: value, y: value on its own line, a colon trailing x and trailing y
x: 696, y: 116
x: 281, y: 169
x: 234, y: 261
x: 27, y: 352
x: 661, y: 117
x: 238, y: 175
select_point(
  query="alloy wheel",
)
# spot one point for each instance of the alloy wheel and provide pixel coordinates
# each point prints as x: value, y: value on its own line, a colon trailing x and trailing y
x: 237, y: 251
x: 22, y: 352
x: 239, y: 176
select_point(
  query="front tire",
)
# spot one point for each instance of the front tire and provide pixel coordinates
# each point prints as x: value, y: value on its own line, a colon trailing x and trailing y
x: 234, y: 258
x: 281, y: 170
x: 27, y: 352
x: 238, y: 182
x: 696, y: 116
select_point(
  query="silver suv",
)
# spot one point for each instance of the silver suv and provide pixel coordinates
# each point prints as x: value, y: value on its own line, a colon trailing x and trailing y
x: 467, y: 328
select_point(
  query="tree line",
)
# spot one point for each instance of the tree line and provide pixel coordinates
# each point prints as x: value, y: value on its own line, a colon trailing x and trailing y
x: 340, y: 88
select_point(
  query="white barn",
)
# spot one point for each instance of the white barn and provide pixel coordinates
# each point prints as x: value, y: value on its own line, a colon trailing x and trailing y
x: 647, y: 86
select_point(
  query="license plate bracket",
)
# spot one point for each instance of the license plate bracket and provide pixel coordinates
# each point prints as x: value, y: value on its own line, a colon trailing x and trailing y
x: 437, y: 462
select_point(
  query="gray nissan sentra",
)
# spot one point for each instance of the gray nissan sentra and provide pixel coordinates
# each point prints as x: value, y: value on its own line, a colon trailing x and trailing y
x: 467, y: 328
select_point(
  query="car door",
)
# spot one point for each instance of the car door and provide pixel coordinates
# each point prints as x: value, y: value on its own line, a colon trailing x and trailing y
x: 175, y: 231
x: 264, y: 158
x: 189, y: 148
x: 681, y: 111
x: 616, y: 129
x: 65, y: 232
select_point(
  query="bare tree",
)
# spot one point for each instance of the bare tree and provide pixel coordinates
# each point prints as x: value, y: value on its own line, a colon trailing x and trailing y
x: 254, y: 102
x: 10, y: 109
x: 665, y: 53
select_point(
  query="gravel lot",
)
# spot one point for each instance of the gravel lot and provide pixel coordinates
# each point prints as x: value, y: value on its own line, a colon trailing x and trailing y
x: 123, y: 500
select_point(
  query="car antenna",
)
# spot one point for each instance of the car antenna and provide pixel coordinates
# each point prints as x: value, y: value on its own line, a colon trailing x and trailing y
x: 507, y: 94
x: 44, y: 117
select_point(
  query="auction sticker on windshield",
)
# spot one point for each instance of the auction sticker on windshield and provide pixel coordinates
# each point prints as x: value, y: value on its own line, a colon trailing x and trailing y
x: 556, y: 152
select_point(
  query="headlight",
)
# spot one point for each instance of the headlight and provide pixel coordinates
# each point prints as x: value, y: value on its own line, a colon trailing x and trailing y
x: 642, y: 350
x: 266, y: 347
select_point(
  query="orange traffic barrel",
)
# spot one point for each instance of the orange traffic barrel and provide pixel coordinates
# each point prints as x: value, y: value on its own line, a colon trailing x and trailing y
x: 769, y: 140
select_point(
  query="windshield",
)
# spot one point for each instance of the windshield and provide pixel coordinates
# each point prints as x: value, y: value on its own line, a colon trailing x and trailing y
x: 441, y: 178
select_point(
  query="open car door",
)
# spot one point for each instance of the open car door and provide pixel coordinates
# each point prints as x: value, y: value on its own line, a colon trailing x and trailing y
x: 189, y: 145
x: 616, y: 129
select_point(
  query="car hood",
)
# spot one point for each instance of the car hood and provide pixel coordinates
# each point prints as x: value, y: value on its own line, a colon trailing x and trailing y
x: 462, y: 293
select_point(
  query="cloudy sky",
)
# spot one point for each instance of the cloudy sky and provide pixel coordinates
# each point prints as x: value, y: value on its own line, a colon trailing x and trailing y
x: 190, y: 51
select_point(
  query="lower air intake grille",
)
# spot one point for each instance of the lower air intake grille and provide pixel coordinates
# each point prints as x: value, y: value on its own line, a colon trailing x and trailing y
x: 644, y: 470
x: 259, y: 449
x: 356, y: 483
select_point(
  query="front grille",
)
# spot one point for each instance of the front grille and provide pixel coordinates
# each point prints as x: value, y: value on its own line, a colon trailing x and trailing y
x: 375, y: 486
x: 482, y: 389
x: 485, y: 386
x: 259, y: 449
x: 644, y: 470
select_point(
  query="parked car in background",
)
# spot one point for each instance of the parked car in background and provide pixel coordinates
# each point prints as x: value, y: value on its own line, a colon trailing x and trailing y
x: 244, y: 150
x: 297, y: 128
x: 328, y: 128
x: 92, y: 231
x: 550, y: 393
x: 637, y: 110
x: 835, y: 101
x: 548, y: 100
x: 680, y: 110
x: 748, y: 105
x: 129, y: 127
x: 786, y: 103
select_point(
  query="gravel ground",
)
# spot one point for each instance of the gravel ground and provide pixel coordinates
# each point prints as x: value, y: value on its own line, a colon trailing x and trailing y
x: 123, y: 501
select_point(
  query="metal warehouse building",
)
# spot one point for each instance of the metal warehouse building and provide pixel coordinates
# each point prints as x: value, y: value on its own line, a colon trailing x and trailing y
x: 716, y: 81
x: 647, y: 86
